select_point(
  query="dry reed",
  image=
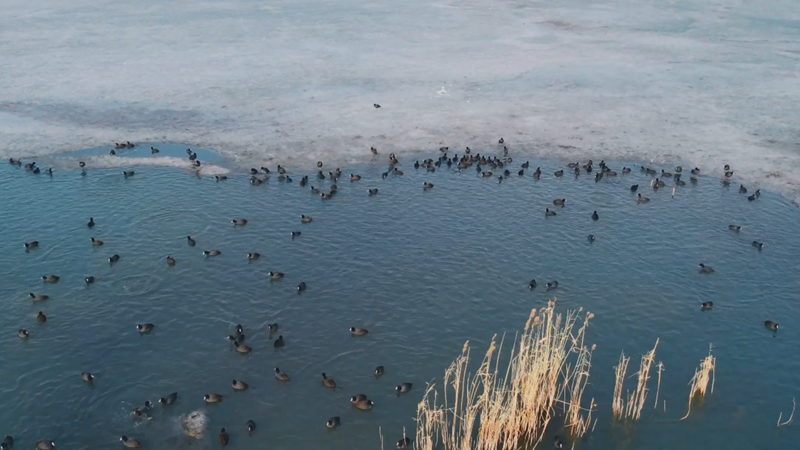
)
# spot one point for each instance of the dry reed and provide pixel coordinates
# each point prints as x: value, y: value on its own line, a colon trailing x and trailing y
x: 791, y: 416
x: 702, y: 375
x: 493, y: 408
x: 618, y: 405
x: 632, y: 408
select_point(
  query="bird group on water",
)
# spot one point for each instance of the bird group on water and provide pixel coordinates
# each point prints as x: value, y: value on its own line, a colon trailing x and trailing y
x: 486, y: 167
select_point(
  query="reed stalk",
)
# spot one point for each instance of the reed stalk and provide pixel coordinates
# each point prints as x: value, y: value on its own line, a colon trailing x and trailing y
x: 702, y: 375
x: 511, y: 406
x: 791, y: 416
x: 618, y: 404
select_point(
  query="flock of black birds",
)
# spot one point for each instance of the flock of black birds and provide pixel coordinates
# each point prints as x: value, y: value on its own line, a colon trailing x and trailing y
x: 485, y: 166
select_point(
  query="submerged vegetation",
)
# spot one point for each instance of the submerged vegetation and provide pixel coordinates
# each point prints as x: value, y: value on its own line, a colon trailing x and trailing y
x: 510, y: 400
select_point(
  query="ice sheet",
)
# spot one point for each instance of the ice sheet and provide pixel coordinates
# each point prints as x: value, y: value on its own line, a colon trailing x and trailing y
x: 695, y: 83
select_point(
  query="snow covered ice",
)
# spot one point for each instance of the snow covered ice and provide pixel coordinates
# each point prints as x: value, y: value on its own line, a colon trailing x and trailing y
x: 692, y: 83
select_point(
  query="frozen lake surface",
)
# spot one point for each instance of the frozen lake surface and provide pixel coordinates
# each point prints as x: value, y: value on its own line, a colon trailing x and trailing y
x: 702, y: 84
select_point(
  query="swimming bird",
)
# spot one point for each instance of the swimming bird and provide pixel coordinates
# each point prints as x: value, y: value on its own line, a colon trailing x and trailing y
x: 403, y: 388
x: 241, y: 348
x: 559, y: 173
x: 279, y: 342
x: 404, y: 443
x: 139, y: 414
x: 223, y: 437
x: 253, y: 171
x: 7, y: 443
x: 427, y: 186
x: 752, y: 197
x: 220, y: 177
x: 212, y: 398
x: 707, y: 305
x: 634, y: 188
x: 399, y: 172
x: 595, y: 217
x: 251, y: 426
x: 50, y: 278
x: 91, y: 222
x: 236, y: 339
x: 239, y: 222
x: 548, y: 213
x: 626, y: 170
x: 559, y: 201
x: 97, y: 242
x: 354, y: 177
x: 373, y: 191
x: 591, y: 238
x: 38, y: 297
x: 145, y: 328
x: 642, y: 199
x: 333, y: 422
x: 358, y: 398
x: 364, y: 405
x: 557, y: 442
x: 326, y: 195
x: 276, y: 275
x: 23, y: 333
x: 328, y: 382
x: 31, y: 245
x: 705, y: 269
x: 734, y: 227
x: 211, y: 253
x: 532, y: 284
x: 113, y: 259
x: 296, y: 233
x: 87, y: 377
x: 253, y: 256
x: 169, y: 399
x: 154, y: 150
x: 36, y: 170
x: 41, y: 317
x: 379, y: 371
x: 128, y: 173
x: 281, y: 376
x: 758, y: 245
x: 552, y: 285
x: 306, y: 219
x: 742, y: 189
x: 273, y: 327
x: 358, y: 331
x: 130, y: 443
x: 170, y: 261
x: 239, y: 385
x: 486, y: 174
x: 89, y: 280
x: 301, y: 287
x: 771, y: 325
x: 191, y: 241
x: 45, y: 445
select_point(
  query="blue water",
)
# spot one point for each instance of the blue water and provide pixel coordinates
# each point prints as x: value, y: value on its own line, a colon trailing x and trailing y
x: 422, y: 270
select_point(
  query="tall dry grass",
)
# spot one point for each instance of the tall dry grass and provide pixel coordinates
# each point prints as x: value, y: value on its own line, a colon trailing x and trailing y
x: 632, y: 408
x: 510, y: 407
x: 702, y: 376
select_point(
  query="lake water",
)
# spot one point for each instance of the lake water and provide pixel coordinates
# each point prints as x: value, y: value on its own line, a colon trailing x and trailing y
x: 422, y: 270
